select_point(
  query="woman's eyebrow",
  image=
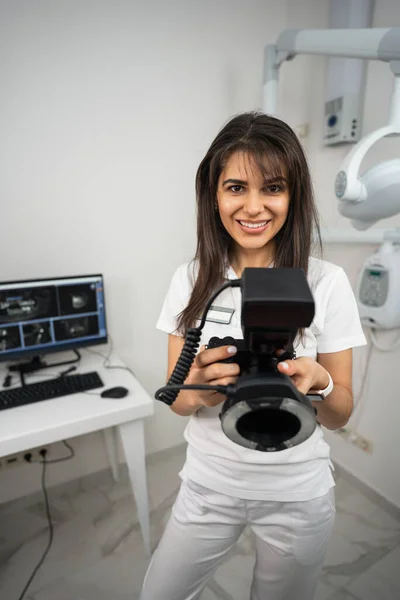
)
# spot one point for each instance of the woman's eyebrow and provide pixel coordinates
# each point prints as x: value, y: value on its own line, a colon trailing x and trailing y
x: 242, y: 182
x: 235, y: 181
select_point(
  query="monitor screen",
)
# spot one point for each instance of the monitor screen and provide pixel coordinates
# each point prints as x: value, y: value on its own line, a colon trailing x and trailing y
x: 51, y: 315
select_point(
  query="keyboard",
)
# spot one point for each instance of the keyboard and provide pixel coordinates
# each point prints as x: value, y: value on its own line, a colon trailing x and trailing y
x: 51, y: 388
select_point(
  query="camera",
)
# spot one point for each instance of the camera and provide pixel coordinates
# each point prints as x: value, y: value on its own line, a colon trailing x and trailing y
x: 264, y: 410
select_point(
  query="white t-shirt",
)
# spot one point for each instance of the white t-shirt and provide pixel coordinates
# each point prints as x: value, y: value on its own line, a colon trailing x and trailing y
x: 213, y: 460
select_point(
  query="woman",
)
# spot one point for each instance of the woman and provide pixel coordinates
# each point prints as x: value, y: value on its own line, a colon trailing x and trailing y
x: 255, y: 209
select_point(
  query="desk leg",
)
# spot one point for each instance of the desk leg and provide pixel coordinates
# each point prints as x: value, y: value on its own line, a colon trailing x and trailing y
x: 110, y: 440
x: 132, y: 437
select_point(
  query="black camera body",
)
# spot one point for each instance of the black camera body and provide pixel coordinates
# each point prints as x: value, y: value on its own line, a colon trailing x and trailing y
x: 245, y: 357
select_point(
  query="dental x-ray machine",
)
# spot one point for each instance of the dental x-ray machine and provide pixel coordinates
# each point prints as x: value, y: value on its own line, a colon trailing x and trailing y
x: 375, y: 194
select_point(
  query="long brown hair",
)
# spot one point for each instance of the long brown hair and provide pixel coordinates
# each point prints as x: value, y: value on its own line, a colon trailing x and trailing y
x: 273, y: 146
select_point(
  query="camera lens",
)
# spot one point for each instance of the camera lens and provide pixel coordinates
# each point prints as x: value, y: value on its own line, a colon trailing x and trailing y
x: 268, y: 427
x: 268, y: 424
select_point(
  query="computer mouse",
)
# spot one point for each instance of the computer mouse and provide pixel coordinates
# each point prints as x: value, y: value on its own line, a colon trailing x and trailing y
x: 115, y: 392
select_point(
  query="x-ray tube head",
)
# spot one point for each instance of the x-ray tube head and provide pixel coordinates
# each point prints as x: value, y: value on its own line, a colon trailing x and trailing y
x: 382, y: 184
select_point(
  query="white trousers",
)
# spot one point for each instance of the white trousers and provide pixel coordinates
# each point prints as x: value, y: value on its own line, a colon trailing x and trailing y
x: 291, y: 542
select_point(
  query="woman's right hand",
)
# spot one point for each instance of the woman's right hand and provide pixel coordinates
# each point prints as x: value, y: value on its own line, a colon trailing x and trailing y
x: 207, y: 370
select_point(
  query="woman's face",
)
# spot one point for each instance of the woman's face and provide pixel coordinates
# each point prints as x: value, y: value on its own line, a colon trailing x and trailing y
x: 252, y: 209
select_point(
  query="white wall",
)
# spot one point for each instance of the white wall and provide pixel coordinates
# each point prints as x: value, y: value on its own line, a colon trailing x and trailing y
x: 107, y: 107
x: 302, y: 96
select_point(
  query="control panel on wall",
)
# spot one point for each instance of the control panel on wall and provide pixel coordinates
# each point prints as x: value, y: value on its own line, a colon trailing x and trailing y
x: 378, y: 290
x: 342, y: 120
x: 345, y: 77
x: 374, y: 286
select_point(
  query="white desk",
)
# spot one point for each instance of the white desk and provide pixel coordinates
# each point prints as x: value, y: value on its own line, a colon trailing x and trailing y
x: 54, y: 420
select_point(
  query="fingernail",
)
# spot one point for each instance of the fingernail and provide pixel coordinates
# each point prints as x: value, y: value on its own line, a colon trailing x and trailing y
x: 284, y: 365
x: 232, y: 350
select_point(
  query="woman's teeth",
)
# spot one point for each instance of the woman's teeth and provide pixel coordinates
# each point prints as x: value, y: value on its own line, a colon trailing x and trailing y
x: 253, y: 225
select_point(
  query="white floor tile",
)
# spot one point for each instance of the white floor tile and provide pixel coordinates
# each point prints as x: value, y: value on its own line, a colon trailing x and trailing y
x: 382, y: 581
x: 118, y: 577
x: 323, y: 591
x: 362, y: 535
x: 343, y: 595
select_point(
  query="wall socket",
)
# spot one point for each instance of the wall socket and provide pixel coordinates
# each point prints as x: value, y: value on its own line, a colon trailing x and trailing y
x: 354, y: 438
x: 17, y: 460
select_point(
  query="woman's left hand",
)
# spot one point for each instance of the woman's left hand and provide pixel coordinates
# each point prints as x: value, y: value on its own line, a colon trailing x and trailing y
x: 306, y: 374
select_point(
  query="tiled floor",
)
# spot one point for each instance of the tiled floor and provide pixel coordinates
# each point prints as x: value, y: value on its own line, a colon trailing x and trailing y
x: 97, y: 552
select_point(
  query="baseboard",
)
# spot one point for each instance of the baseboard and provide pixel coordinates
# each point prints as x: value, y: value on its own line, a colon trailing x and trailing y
x: 369, y: 492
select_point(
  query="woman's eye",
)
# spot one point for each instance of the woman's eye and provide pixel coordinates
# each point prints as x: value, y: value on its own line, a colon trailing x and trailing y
x: 236, y: 188
x: 275, y: 188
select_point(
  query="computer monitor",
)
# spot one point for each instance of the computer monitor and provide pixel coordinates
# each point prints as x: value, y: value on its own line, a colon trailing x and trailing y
x: 51, y: 315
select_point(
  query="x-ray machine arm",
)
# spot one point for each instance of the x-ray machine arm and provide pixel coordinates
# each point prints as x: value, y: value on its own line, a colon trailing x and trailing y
x: 376, y: 195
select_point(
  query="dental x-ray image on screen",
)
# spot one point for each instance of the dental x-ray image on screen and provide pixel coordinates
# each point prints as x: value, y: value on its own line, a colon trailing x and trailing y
x: 27, y: 304
x: 40, y: 316
x: 77, y: 299
x: 37, y: 333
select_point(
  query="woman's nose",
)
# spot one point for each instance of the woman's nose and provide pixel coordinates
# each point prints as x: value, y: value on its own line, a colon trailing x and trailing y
x: 253, y: 203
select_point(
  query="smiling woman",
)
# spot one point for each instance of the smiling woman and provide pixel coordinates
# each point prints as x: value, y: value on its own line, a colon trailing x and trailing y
x: 255, y: 209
